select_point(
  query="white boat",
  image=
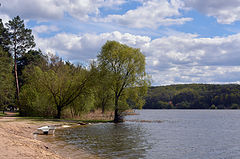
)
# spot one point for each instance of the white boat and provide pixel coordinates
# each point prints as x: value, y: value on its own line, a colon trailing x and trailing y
x: 46, y: 130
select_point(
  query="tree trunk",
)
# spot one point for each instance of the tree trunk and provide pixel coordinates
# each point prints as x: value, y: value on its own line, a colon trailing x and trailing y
x: 59, y: 110
x: 16, y: 79
x: 117, y: 117
x: 103, y: 107
x: 72, y: 113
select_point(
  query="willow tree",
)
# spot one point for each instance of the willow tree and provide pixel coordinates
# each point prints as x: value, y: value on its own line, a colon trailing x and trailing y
x: 103, y: 92
x: 20, y: 40
x: 60, y: 82
x: 125, y: 67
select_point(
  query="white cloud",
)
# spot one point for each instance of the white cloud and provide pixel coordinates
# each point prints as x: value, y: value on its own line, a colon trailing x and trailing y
x: 184, y: 58
x: 196, y: 74
x: 55, y: 9
x: 45, y: 28
x: 41, y: 10
x: 192, y: 50
x: 189, y: 59
x: 151, y: 14
x: 5, y: 18
x: 226, y: 12
x: 176, y: 58
x: 87, y: 46
x: 81, y: 9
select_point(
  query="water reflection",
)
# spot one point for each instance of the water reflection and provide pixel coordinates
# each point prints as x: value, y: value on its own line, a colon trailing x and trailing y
x: 109, y: 140
x: 183, y: 134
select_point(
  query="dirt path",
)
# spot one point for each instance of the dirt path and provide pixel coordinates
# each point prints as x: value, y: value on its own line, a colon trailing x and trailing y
x: 10, y: 114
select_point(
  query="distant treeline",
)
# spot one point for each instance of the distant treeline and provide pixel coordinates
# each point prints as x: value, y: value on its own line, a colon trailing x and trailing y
x: 194, y: 96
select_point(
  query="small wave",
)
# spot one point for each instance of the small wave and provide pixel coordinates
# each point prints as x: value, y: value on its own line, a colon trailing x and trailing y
x: 145, y: 121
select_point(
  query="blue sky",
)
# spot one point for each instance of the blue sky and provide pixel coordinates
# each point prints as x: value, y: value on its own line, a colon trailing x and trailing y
x: 184, y: 41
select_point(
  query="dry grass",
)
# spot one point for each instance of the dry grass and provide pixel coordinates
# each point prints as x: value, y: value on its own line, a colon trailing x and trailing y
x: 130, y: 112
x: 146, y: 121
x: 97, y: 115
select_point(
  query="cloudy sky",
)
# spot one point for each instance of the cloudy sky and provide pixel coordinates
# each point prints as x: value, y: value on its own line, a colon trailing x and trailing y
x: 184, y: 41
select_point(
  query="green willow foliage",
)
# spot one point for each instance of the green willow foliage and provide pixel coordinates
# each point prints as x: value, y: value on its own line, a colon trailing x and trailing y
x: 125, y: 69
x: 103, y: 94
x: 59, y: 85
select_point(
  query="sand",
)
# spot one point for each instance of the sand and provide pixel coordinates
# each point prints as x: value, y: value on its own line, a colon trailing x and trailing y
x: 17, y: 140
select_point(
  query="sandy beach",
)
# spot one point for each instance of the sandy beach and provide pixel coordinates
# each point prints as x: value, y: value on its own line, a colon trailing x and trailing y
x: 17, y: 140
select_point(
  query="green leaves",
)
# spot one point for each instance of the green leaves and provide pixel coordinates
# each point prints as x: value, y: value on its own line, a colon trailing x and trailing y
x: 19, y: 40
x: 125, y: 68
x: 126, y: 65
x: 61, y: 84
x: 48, y: 86
x: 4, y: 38
x: 6, y: 79
x: 20, y: 37
x: 194, y: 96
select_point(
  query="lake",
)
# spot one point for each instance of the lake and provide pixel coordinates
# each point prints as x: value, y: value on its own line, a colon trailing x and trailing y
x: 182, y: 134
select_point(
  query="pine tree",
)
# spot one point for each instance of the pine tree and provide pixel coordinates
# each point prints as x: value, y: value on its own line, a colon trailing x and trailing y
x: 20, y: 40
x: 6, y: 79
x: 4, y: 38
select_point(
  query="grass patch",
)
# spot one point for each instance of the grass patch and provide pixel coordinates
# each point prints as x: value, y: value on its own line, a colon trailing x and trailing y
x: 1, y: 113
x: 94, y: 121
x: 27, y: 117
x: 39, y: 119
x: 16, y: 114
x: 9, y: 113
x: 42, y: 119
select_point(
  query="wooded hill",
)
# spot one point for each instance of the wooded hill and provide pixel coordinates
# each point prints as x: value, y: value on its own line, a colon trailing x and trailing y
x: 194, y: 96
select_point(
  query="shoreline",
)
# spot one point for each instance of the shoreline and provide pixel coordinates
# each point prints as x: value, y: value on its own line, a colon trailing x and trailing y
x: 18, y: 140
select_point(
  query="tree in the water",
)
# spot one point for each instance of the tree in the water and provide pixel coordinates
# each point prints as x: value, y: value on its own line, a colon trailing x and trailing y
x: 20, y: 40
x: 125, y: 67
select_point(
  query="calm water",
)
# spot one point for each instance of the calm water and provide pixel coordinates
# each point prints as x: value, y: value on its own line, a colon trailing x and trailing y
x: 183, y: 134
